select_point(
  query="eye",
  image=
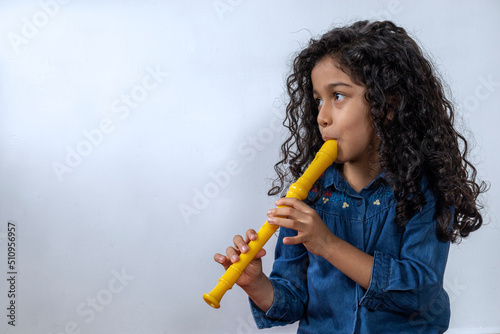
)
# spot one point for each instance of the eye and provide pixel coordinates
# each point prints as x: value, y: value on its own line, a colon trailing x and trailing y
x: 338, y: 96
x: 319, y: 102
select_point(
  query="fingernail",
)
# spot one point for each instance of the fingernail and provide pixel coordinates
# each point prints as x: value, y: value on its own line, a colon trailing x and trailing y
x: 244, y: 248
x: 221, y: 259
x: 269, y: 212
x: 234, y: 258
x: 271, y: 220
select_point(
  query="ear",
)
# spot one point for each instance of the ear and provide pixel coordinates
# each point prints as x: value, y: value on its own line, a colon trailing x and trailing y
x: 390, y: 115
x: 393, y: 102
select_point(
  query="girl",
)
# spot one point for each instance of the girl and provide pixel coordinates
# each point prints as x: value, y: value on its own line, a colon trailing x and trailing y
x: 366, y: 252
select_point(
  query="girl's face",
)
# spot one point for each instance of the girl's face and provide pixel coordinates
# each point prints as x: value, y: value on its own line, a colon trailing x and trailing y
x: 344, y: 113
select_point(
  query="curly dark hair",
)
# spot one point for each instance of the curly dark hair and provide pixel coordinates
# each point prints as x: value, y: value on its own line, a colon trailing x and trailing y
x: 411, y: 115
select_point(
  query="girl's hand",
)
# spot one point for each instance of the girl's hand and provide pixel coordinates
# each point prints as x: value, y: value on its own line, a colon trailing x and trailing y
x: 312, y: 231
x: 254, y: 269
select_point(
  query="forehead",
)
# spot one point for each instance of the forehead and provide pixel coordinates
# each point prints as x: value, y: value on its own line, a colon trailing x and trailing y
x: 329, y: 70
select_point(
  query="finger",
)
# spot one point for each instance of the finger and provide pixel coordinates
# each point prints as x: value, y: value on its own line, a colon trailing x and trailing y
x: 291, y: 213
x: 283, y: 212
x: 240, y: 244
x: 232, y: 254
x: 292, y: 240
x: 293, y: 203
x: 250, y: 235
x: 287, y: 223
x: 219, y: 258
x: 260, y: 254
x: 222, y: 259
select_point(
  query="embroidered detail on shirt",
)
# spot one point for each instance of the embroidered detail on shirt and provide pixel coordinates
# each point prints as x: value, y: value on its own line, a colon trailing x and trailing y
x: 329, y: 197
x: 380, y: 194
x: 377, y: 202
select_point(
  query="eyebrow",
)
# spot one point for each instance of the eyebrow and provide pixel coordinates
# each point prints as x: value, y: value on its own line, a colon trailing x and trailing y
x: 334, y: 85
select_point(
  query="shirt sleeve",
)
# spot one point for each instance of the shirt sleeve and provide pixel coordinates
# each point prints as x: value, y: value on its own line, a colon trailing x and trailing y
x: 410, y: 283
x: 289, y: 280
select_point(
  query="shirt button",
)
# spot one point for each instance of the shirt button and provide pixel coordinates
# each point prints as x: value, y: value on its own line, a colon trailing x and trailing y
x: 359, y: 202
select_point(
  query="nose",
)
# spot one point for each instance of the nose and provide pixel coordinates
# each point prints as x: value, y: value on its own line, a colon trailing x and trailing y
x: 324, y: 118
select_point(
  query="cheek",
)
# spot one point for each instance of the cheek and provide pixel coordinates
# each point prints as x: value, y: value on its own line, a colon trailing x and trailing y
x: 365, y: 125
x: 357, y: 135
x: 368, y: 135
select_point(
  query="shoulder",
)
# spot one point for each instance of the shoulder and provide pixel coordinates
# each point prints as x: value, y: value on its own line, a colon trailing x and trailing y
x: 426, y: 213
x: 424, y: 190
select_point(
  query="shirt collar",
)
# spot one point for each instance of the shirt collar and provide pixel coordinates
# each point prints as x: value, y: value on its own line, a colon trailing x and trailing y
x: 333, y: 177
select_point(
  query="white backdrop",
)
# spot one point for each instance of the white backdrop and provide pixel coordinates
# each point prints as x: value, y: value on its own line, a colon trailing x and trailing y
x: 137, y: 137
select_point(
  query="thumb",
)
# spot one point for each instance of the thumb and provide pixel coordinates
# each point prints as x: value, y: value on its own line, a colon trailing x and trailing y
x: 260, y: 254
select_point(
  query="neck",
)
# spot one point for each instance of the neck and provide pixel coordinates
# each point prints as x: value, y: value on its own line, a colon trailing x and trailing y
x: 359, y: 175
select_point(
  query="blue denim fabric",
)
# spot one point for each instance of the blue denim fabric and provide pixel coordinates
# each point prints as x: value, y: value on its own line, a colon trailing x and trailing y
x: 406, y: 292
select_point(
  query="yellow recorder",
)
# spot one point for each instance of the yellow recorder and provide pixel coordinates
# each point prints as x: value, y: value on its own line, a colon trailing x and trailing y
x: 299, y: 189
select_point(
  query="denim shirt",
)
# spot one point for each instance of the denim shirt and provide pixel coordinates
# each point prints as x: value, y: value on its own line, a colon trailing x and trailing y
x: 406, y: 292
